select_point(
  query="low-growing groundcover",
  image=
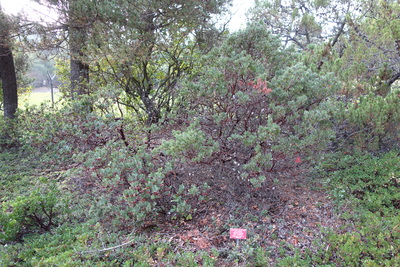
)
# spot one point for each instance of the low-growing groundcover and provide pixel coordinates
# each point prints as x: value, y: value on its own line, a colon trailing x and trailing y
x: 91, y: 224
x: 365, y: 190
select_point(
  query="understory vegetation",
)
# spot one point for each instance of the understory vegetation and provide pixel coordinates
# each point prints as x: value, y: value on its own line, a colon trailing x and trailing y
x: 79, y: 188
x: 146, y: 168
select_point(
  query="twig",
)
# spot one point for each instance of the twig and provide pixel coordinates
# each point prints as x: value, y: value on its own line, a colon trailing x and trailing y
x: 106, y: 249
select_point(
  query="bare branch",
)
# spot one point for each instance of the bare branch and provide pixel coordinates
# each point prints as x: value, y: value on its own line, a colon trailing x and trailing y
x: 107, y: 249
x: 394, y: 78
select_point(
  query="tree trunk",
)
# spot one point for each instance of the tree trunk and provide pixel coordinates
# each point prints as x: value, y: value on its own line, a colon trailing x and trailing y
x: 79, y: 76
x: 77, y: 31
x: 153, y: 113
x: 9, y: 81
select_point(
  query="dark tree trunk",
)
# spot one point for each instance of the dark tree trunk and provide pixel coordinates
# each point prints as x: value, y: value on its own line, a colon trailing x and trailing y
x: 79, y: 70
x: 9, y: 81
x: 77, y: 31
x: 153, y: 113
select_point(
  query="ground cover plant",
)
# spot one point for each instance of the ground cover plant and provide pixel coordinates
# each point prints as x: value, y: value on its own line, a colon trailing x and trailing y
x: 366, y: 190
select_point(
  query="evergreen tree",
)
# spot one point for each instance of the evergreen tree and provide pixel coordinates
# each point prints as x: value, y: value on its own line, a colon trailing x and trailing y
x: 146, y: 47
x: 72, y: 28
x: 143, y: 47
x: 7, y: 67
x: 373, y: 47
x: 357, y: 39
x: 304, y: 22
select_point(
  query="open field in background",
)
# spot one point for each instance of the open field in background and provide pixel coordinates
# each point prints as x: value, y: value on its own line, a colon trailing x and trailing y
x: 38, y: 96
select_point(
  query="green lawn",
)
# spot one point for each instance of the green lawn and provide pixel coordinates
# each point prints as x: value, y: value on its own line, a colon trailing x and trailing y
x: 38, y: 98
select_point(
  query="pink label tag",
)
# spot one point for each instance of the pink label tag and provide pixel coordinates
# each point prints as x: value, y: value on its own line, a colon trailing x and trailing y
x: 236, y: 233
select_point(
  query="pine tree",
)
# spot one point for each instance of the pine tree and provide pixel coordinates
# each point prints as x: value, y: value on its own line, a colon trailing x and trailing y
x: 7, y: 67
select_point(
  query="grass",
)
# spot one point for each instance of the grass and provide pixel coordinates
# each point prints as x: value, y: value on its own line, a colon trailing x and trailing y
x: 38, y: 98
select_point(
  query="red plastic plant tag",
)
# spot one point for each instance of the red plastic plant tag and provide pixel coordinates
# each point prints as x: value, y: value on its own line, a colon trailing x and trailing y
x: 236, y: 233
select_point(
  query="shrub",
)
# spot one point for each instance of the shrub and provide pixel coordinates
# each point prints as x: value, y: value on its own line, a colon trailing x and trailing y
x: 126, y: 176
x: 8, y: 135
x: 190, y: 144
x: 66, y: 131
x: 40, y: 210
x: 369, y: 122
x: 253, y: 112
x: 372, y: 182
x: 134, y: 181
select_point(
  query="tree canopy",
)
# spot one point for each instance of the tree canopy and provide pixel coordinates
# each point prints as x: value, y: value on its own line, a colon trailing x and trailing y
x: 141, y: 47
x: 358, y: 38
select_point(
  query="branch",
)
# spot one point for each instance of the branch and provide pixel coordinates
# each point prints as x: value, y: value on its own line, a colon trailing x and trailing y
x: 364, y: 37
x: 106, y: 249
x: 394, y: 78
x: 335, y: 40
x: 341, y: 29
x: 297, y: 42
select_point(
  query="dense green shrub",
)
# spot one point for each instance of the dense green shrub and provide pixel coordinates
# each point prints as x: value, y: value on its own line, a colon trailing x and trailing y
x: 190, y: 144
x: 125, y: 175
x: 41, y: 209
x: 134, y: 181
x: 250, y: 106
x: 369, y: 122
x: 8, y: 134
x: 371, y: 182
x: 65, y: 131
